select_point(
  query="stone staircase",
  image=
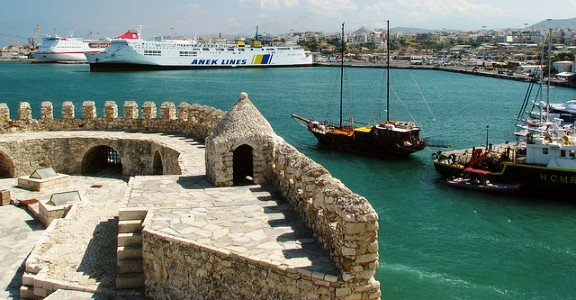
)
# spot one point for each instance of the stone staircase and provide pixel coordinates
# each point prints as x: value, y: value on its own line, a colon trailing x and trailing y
x: 130, y: 274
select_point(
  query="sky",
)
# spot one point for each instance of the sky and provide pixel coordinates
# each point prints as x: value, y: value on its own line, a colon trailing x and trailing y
x: 108, y: 18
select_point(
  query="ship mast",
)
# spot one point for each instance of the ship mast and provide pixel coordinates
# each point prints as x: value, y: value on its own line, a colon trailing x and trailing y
x: 549, y: 67
x: 341, y: 72
x: 387, y: 70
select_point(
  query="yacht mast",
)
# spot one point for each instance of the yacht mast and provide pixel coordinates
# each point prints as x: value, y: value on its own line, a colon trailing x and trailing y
x: 387, y: 70
x: 549, y: 67
x: 341, y: 72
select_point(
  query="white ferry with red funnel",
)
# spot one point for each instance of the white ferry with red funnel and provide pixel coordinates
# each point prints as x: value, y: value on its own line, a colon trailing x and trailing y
x: 72, y: 50
x: 139, y: 54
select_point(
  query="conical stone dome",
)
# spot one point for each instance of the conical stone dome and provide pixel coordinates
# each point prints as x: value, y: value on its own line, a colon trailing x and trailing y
x: 243, y: 119
x: 241, y: 144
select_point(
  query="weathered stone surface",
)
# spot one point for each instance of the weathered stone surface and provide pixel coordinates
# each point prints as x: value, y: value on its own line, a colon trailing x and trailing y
x: 24, y: 111
x: 343, y: 224
x: 89, y: 110
x: 46, y: 110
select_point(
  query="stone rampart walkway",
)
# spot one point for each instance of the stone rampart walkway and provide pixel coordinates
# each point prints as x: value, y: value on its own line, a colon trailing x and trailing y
x: 251, y: 221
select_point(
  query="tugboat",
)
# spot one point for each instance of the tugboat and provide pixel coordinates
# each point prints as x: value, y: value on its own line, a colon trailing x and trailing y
x: 385, y: 139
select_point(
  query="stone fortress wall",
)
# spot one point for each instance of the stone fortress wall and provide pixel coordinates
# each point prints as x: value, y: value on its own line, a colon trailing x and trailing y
x: 343, y: 222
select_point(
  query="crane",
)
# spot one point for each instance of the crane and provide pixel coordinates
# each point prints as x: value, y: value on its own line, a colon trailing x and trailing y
x: 13, y: 39
x: 33, y: 40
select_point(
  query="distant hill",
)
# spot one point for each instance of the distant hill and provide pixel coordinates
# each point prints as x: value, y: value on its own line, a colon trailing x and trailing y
x: 410, y: 30
x: 555, y: 24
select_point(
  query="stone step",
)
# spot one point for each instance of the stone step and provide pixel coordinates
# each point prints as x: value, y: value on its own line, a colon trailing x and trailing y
x: 28, y: 279
x: 129, y: 226
x: 26, y: 292
x: 129, y: 239
x: 129, y: 252
x: 130, y: 281
x: 127, y: 266
x: 132, y: 214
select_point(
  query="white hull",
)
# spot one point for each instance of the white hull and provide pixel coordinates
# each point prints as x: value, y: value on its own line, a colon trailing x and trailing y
x: 59, y: 49
x: 59, y: 57
x: 141, y: 54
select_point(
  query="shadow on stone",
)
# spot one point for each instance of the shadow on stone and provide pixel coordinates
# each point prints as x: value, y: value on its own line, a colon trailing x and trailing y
x: 194, y: 182
x: 99, y: 260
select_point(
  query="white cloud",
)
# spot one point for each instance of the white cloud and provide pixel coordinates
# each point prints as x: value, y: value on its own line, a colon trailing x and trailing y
x: 273, y: 4
x: 434, y: 9
x: 331, y: 7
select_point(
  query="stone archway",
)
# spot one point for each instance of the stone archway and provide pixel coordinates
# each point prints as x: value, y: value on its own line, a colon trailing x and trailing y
x: 243, y: 165
x: 157, y: 167
x: 6, y: 166
x: 101, y: 159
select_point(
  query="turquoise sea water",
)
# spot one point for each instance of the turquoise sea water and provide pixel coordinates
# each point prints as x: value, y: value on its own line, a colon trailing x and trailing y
x: 435, y: 242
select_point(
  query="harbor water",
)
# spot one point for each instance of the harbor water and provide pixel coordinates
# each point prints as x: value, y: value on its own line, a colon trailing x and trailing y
x: 435, y: 242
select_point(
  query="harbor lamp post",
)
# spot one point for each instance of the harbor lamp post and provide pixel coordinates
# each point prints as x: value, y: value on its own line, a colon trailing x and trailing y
x: 487, y: 136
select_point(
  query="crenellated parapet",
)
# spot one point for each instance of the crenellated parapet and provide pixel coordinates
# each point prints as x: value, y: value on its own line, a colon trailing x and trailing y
x: 191, y: 119
x: 46, y: 110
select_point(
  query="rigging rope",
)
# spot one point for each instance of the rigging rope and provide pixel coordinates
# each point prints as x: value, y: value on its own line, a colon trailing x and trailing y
x: 403, y: 105
x: 423, y: 98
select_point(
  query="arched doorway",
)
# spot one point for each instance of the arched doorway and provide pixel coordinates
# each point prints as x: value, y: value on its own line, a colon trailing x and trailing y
x: 157, y: 168
x: 6, y: 166
x: 101, y: 159
x: 243, y: 165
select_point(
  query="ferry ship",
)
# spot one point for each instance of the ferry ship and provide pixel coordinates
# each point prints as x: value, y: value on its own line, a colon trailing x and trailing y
x: 70, y: 49
x: 139, y: 54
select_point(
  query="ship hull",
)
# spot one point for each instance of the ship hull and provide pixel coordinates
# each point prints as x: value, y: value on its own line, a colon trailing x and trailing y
x: 45, y: 57
x: 118, y: 67
x: 386, y: 145
x: 136, y: 55
x: 531, y: 178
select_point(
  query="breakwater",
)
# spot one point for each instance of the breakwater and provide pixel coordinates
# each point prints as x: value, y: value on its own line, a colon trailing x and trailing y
x: 453, y: 69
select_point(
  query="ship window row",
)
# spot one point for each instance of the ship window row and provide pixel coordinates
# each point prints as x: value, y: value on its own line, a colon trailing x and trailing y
x: 153, y: 52
x: 188, y: 53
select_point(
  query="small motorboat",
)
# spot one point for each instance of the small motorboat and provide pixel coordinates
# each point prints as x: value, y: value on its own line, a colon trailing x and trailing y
x: 472, y: 184
x: 475, y: 179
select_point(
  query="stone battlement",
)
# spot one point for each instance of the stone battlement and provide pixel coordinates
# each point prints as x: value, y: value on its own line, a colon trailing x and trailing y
x: 192, y: 119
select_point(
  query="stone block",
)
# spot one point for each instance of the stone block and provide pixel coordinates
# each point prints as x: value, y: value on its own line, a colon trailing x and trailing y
x: 130, y: 281
x: 5, y: 197
x: 4, y: 113
x: 183, y: 111
x: 88, y: 110
x: 126, y: 226
x: 129, y: 239
x: 28, y: 279
x: 39, y: 184
x: 110, y: 110
x: 129, y: 252
x: 26, y: 292
x: 67, y: 110
x: 126, y: 266
x: 168, y: 111
x: 46, y: 110
x: 149, y: 110
x: 130, y: 110
x: 24, y: 111
x: 137, y: 213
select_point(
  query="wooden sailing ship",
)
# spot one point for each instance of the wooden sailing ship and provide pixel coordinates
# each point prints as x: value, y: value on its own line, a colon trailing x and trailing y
x: 385, y: 139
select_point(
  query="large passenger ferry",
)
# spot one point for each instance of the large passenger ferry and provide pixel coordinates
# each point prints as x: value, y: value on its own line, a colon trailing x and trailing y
x: 70, y: 49
x: 139, y: 54
x: 66, y: 49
